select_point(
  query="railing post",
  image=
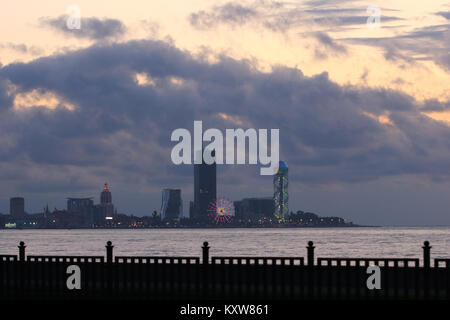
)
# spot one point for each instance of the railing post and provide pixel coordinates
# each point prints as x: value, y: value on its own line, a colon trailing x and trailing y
x: 426, y: 265
x: 109, y: 266
x: 205, y: 249
x: 426, y: 254
x: 310, y: 253
x: 22, y: 247
x: 109, y: 252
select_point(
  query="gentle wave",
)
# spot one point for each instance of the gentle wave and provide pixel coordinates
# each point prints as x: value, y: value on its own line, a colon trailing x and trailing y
x: 333, y: 242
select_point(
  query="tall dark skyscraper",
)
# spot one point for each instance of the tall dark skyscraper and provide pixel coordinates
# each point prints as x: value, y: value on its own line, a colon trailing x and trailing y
x: 204, y: 190
x: 17, y: 207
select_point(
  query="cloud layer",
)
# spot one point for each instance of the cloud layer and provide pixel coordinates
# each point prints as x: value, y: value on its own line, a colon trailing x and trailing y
x: 119, y: 128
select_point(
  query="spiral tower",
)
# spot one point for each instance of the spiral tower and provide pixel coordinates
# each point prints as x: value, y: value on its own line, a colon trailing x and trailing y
x: 281, y: 195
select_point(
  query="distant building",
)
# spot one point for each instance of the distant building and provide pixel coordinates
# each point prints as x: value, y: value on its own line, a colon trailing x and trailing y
x: 204, y: 189
x: 172, y: 206
x: 312, y: 219
x: 191, y: 210
x: 79, y: 205
x: 254, y: 209
x: 17, y: 207
x: 106, y: 204
x: 280, y: 193
x: 80, y: 212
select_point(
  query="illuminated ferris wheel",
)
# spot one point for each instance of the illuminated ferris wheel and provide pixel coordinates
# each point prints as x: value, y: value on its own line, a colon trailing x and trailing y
x: 221, y: 211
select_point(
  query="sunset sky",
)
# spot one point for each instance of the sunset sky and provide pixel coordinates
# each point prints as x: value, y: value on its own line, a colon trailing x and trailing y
x: 363, y: 109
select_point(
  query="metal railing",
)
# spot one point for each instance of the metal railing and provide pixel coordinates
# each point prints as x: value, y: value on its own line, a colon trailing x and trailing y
x: 221, y: 277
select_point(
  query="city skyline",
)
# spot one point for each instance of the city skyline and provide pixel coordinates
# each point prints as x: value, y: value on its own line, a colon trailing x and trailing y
x: 206, y: 211
x: 238, y: 158
x: 362, y: 109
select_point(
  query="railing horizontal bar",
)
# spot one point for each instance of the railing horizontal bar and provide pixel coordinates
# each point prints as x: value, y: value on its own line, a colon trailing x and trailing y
x: 442, y: 263
x: 269, y: 258
x: 369, y: 259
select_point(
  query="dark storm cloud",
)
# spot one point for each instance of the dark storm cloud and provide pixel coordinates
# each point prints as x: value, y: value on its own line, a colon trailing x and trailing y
x: 5, y: 98
x: 327, y: 131
x: 435, y: 105
x: 91, y: 28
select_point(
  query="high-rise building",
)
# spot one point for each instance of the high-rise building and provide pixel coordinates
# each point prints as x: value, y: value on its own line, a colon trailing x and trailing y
x: 280, y: 194
x: 17, y: 207
x: 205, y: 191
x: 79, y: 205
x: 254, y: 209
x: 106, y: 204
x: 172, y: 206
x: 81, y: 211
x: 105, y: 196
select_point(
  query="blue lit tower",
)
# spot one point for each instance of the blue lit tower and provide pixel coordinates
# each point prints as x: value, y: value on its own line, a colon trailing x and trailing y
x: 280, y: 192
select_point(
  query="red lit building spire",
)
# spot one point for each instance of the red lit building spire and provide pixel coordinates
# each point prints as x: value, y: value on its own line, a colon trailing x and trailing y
x: 106, y: 202
x: 105, y: 196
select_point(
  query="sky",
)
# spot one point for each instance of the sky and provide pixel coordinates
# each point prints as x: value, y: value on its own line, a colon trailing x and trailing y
x: 360, y: 91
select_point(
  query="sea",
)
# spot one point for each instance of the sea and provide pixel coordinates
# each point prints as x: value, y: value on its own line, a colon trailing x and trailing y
x: 367, y: 242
